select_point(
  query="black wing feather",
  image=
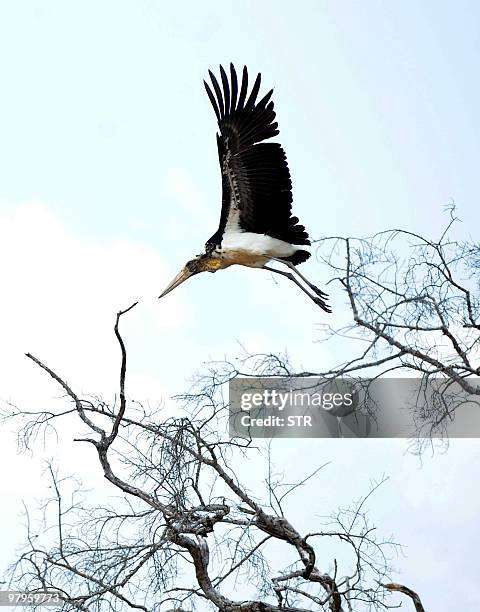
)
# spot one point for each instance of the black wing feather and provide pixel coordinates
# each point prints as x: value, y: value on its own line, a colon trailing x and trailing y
x: 233, y: 78
x: 212, y: 100
x: 226, y: 90
x: 218, y: 93
x: 253, y: 95
x: 244, y: 88
x: 255, y: 174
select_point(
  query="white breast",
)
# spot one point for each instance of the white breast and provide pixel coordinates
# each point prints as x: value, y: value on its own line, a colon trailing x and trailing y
x: 258, y: 244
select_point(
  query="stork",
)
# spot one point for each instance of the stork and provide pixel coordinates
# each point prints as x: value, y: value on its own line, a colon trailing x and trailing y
x: 256, y: 223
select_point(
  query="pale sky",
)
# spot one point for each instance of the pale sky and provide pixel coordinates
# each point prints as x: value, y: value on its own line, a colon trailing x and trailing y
x: 109, y: 181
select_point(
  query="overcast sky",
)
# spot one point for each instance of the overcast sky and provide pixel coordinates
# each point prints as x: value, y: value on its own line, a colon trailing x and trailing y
x: 109, y: 181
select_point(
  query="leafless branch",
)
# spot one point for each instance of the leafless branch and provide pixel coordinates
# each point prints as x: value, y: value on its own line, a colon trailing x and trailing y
x: 186, y: 529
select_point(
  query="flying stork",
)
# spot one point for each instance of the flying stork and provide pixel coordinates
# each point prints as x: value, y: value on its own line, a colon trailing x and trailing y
x: 256, y: 222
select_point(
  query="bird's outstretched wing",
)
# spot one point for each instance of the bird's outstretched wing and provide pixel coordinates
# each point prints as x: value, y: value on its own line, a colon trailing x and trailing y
x: 256, y: 185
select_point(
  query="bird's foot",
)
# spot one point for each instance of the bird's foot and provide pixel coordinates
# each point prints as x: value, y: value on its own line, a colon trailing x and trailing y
x: 323, y: 305
x: 318, y: 291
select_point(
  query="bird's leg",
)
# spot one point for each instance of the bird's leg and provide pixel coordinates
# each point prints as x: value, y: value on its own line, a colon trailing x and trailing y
x: 313, y: 287
x: 318, y: 300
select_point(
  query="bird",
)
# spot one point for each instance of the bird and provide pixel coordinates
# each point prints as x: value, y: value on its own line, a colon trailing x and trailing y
x: 256, y: 222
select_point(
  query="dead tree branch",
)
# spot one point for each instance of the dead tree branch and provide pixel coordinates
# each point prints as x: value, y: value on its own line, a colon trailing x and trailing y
x: 186, y: 529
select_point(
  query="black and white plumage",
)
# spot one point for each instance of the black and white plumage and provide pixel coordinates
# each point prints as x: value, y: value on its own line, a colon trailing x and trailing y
x: 256, y: 185
x: 256, y: 222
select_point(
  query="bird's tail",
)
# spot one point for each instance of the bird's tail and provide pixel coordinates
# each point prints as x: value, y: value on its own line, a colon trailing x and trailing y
x: 298, y: 257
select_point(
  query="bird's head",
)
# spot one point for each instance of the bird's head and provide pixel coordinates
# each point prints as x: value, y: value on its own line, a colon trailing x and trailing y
x: 202, y: 263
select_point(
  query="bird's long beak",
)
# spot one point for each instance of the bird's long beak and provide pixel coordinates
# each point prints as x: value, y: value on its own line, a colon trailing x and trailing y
x: 178, y: 280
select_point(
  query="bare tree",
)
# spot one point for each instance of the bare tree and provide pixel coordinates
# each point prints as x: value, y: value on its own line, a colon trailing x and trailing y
x: 414, y: 306
x: 186, y: 532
